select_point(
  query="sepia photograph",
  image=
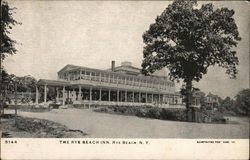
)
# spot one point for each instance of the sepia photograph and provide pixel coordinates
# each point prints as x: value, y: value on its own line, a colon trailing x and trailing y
x: 124, y: 69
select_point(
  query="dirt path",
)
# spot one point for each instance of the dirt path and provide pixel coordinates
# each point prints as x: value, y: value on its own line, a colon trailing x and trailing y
x: 100, y: 125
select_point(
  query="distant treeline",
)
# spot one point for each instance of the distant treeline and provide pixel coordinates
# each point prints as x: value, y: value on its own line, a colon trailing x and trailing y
x: 23, y: 84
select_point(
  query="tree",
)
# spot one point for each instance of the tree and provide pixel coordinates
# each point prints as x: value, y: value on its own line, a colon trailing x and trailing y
x: 188, y: 40
x: 7, y: 45
x: 183, y: 92
x: 7, y: 22
x: 26, y: 84
x: 227, y: 104
x: 7, y: 81
x: 243, y: 102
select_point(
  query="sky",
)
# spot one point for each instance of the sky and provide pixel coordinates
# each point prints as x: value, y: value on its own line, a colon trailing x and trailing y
x: 93, y: 33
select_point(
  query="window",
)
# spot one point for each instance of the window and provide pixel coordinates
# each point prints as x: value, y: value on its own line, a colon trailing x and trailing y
x: 126, y: 79
x: 111, y: 78
x: 137, y: 82
x: 123, y: 80
x: 130, y: 81
x: 87, y: 77
x: 156, y: 84
x: 152, y: 84
x: 133, y: 82
x: 83, y: 75
x: 119, y: 80
x: 71, y: 77
x: 97, y: 76
x: 65, y: 76
x: 92, y: 76
x: 115, y: 79
x: 145, y: 83
x: 77, y: 75
x: 102, y: 77
x: 106, y: 77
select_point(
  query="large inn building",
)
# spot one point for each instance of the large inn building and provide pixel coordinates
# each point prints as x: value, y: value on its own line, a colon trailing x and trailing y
x: 121, y: 85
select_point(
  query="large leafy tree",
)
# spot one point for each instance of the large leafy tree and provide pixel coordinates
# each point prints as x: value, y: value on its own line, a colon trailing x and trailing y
x: 188, y: 39
x: 7, y: 45
x: 243, y: 102
x: 7, y: 80
x: 26, y: 84
x: 227, y: 104
x: 7, y: 22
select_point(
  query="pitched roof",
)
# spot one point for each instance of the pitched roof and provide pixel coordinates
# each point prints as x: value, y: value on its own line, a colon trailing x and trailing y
x: 68, y: 67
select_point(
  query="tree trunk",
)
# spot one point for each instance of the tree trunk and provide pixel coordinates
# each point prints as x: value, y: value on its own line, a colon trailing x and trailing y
x: 189, y: 100
x: 1, y: 95
x: 1, y: 73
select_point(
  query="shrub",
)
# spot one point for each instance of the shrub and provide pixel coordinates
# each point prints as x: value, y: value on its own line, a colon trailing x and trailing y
x: 104, y: 109
x: 121, y: 109
x: 154, y: 113
x: 173, y: 114
x: 218, y: 117
x: 141, y: 113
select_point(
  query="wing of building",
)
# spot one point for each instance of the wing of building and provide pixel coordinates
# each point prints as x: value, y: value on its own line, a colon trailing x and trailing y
x: 118, y: 85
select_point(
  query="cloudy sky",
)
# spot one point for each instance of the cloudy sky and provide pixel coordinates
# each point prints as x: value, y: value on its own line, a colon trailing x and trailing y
x: 92, y: 34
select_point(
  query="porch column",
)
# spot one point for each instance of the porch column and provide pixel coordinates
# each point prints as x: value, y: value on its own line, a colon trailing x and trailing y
x: 80, y: 93
x: 100, y: 94
x: 133, y: 96
x: 63, y: 102
x: 57, y: 94
x: 159, y: 98
x: 74, y: 94
x: 146, y: 97
x: 139, y: 97
x: 100, y: 77
x: 109, y: 96
x: 126, y: 96
x: 90, y: 96
x: 152, y: 98
x: 37, y: 95
x: 118, y: 95
x: 166, y: 99
x: 109, y: 78
x: 80, y: 74
x: 45, y: 93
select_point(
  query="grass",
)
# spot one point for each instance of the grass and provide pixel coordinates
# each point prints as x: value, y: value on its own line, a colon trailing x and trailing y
x: 35, y: 128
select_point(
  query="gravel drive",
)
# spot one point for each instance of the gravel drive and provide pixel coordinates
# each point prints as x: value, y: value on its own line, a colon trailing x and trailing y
x: 102, y: 125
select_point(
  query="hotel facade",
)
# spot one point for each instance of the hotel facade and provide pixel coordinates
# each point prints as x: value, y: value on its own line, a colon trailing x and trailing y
x: 122, y: 85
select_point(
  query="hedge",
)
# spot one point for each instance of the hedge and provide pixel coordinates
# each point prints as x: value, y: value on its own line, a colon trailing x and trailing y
x: 174, y: 114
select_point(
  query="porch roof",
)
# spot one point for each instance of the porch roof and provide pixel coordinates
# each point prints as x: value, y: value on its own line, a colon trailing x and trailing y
x: 52, y: 82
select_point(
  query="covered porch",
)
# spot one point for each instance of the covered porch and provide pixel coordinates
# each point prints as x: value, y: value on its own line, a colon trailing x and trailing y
x: 92, y: 95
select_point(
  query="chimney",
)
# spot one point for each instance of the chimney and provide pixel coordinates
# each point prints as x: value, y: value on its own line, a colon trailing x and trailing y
x: 113, y: 66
